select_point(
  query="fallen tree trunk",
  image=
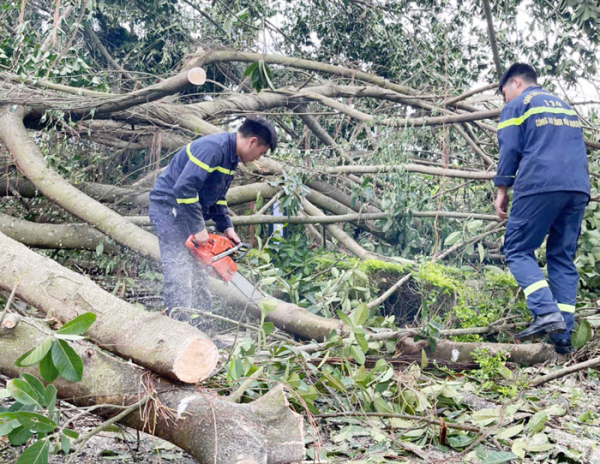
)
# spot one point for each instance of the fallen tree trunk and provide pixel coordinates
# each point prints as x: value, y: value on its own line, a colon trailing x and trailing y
x: 64, y: 236
x: 170, y: 348
x: 212, y: 429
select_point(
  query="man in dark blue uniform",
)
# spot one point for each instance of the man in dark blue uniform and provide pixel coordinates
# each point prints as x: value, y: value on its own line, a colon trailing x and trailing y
x: 191, y: 191
x: 543, y: 157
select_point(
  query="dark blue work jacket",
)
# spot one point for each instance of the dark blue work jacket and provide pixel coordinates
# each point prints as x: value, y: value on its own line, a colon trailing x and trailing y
x: 541, y: 146
x: 197, y: 179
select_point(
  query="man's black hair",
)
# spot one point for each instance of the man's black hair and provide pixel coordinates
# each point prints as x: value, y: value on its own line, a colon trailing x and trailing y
x: 522, y: 70
x: 255, y: 126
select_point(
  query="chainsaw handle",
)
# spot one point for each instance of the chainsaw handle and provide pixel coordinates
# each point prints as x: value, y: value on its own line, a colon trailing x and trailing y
x: 242, y: 251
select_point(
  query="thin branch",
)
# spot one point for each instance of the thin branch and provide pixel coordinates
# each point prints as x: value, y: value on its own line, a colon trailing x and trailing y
x: 566, y: 371
x: 492, y: 34
x: 9, y: 302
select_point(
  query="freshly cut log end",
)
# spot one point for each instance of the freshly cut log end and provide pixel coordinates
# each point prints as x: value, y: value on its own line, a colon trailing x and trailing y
x: 196, y: 76
x: 9, y: 323
x: 196, y: 361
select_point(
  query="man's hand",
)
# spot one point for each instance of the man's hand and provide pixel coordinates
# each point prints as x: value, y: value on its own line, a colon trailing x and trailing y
x: 201, y: 238
x: 231, y: 235
x: 501, y: 203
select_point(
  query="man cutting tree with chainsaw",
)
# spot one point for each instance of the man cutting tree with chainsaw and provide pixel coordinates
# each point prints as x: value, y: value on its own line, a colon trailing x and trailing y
x: 191, y: 191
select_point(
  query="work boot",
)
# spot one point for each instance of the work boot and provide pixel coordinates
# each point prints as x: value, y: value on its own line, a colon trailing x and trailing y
x: 563, y: 346
x: 542, y: 325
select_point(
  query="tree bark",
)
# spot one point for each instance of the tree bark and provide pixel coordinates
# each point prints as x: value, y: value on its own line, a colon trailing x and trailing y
x: 213, y: 430
x: 63, y: 236
x: 168, y: 347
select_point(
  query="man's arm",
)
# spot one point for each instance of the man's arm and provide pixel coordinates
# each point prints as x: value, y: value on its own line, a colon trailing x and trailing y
x: 510, y: 140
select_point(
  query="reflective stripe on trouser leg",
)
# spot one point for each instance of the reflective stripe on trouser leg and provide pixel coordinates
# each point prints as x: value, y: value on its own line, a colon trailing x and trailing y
x: 566, y: 308
x: 534, y: 287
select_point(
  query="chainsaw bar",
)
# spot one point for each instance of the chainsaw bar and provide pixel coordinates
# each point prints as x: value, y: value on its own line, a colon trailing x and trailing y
x: 247, y: 288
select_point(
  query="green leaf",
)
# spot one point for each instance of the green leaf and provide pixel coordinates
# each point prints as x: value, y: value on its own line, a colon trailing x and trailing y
x: 36, y: 453
x: 19, y: 436
x: 452, y: 238
x: 65, y: 444
x: 78, y: 325
x: 481, y: 251
x: 537, y: 423
x: 424, y: 361
x: 47, y: 369
x: 360, y: 315
x: 495, y: 457
x: 250, y: 69
x: 510, y: 432
x: 71, y: 433
x: 345, y: 319
x: 460, y: 441
x: 582, y: 334
x: 358, y: 354
x: 50, y: 397
x: 35, y: 355
x: 8, y: 426
x: 66, y: 361
x: 31, y: 420
x: 25, y: 393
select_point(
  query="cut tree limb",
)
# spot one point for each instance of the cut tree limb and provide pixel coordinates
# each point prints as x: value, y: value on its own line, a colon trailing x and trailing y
x: 213, y: 430
x: 170, y: 348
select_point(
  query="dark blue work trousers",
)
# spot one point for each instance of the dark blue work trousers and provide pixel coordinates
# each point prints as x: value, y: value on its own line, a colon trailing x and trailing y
x: 185, y: 282
x: 557, y: 215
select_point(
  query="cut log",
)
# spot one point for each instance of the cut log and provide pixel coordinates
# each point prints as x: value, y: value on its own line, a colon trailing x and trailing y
x: 213, y: 430
x: 170, y: 348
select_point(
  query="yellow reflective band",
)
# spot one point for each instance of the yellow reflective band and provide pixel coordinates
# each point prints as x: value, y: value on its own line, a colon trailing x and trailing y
x: 204, y: 166
x: 187, y: 201
x: 537, y: 110
x: 222, y: 202
x: 565, y: 308
x: 535, y: 287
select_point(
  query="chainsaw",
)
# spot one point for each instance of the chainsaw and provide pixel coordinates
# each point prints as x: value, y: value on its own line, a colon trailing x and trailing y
x: 219, y: 256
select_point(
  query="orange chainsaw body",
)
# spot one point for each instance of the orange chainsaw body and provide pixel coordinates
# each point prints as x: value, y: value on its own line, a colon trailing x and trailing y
x: 225, y: 266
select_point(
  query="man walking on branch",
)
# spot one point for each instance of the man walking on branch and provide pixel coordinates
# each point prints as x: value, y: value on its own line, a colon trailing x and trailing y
x: 191, y: 191
x: 542, y: 156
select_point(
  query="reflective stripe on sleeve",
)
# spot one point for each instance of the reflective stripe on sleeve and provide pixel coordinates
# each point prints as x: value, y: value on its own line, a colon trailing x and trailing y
x: 537, y: 110
x: 222, y: 202
x: 205, y: 166
x: 566, y: 308
x: 187, y: 201
x: 535, y: 287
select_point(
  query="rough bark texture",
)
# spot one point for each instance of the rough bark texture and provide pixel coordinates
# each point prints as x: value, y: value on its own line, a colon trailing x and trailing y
x: 168, y: 347
x: 265, y: 431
